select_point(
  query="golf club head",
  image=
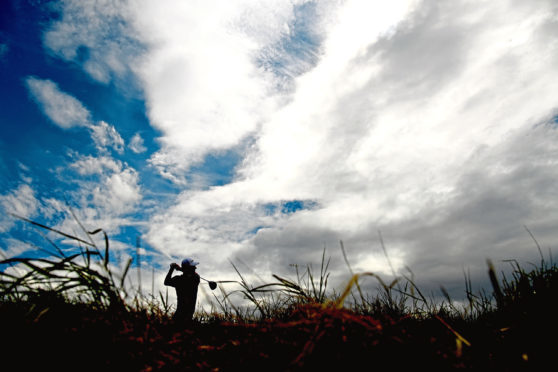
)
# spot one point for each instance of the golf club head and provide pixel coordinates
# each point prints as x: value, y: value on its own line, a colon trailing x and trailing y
x: 212, y: 285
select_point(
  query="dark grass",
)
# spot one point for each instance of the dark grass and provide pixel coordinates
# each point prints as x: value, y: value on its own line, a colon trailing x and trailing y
x: 72, y: 312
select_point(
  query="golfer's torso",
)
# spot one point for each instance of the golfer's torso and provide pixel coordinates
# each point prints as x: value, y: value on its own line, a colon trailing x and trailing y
x: 186, y: 289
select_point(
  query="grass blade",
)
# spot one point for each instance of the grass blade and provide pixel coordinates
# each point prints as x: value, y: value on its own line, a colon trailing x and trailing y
x: 51, y: 229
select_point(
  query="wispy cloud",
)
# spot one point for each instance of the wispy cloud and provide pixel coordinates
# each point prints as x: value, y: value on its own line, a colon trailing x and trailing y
x: 136, y: 144
x: 89, y: 165
x: 108, y: 189
x: 61, y: 108
x: 113, y: 191
x: 118, y: 193
x: 93, y: 34
x: 15, y: 247
x: 106, y: 136
x: 108, y: 193
x: 20, y: 201
x: 67, y: 112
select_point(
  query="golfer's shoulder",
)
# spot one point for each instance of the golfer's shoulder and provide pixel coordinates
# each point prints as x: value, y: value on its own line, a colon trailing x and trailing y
x: 173, y: 282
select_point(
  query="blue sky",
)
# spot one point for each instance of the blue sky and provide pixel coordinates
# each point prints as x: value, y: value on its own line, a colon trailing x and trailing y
x: 262, y: 132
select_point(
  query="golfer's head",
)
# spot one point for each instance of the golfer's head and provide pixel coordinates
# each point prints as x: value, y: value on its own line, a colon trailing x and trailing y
x: 189, y: 264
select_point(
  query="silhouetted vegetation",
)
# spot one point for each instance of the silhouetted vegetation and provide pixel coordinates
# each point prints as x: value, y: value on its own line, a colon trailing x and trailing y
x: 72, y: 311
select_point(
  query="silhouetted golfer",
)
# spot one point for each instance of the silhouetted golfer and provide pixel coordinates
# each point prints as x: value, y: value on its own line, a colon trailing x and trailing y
x: 186, y: 286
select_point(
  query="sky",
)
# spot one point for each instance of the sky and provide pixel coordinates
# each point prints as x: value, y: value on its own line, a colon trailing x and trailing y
x: 260, y: 133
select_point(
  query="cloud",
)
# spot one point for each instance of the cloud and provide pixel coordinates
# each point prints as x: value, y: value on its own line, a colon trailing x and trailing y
x: 24, y: 173
x: 15, y: 247
x: 119, y: 193
x: 233, y: 85
x: 136, y: 144
x: 205, y: 100
x: 109, y: 195
x: 430, y: 122
x: 61, y: 108
x: 88, y: 165
x: 105, y: 135
x: 20, y: 201
x: 208, y: 70
x: 422, y: 125
x: 94, y: 35
x: 67, y: 112
x: 103, y: 193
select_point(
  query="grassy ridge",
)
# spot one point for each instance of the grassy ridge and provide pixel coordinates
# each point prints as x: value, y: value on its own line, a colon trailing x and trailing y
x: 73, y: 312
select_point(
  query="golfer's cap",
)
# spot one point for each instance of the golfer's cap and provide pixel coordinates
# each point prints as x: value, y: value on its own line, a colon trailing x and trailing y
x: 189, y: 262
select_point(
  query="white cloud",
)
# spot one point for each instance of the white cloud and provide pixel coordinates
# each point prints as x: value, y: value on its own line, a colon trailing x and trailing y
x: 15, y: 247
x: 203, y: 90
x: 88, y: 165
x: 119, y: 193
x: 207, y: 75
x: 63, y: 109
x: 20, y: 201
x: 391, y: 130
x: 105, y: 135
x: 107, y: 199
x: 23, y: 173
x: 419, y: 119
x: 212, y: 98
x: 96, y: 30
x: 67, y: 112
x: 136, y: 144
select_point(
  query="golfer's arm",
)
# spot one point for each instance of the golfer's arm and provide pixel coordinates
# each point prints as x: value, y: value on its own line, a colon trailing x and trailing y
x: 168, y: 277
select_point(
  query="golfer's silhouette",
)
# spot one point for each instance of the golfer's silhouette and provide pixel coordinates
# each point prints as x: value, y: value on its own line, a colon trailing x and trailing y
x: 186, y: 286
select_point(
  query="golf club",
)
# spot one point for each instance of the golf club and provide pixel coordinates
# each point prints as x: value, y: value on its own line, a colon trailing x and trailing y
x: 212, y: 284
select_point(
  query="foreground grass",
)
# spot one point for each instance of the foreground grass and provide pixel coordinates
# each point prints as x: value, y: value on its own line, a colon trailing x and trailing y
x: 72, y: 312
x: 51, y: 333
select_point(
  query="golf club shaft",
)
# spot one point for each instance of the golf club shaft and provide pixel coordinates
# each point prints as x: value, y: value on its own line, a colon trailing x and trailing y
x: 219, y: 281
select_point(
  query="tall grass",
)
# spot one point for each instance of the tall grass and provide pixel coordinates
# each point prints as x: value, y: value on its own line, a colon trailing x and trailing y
x: 500, y: 326
x: 301, y: 317
x: 87, y: 276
